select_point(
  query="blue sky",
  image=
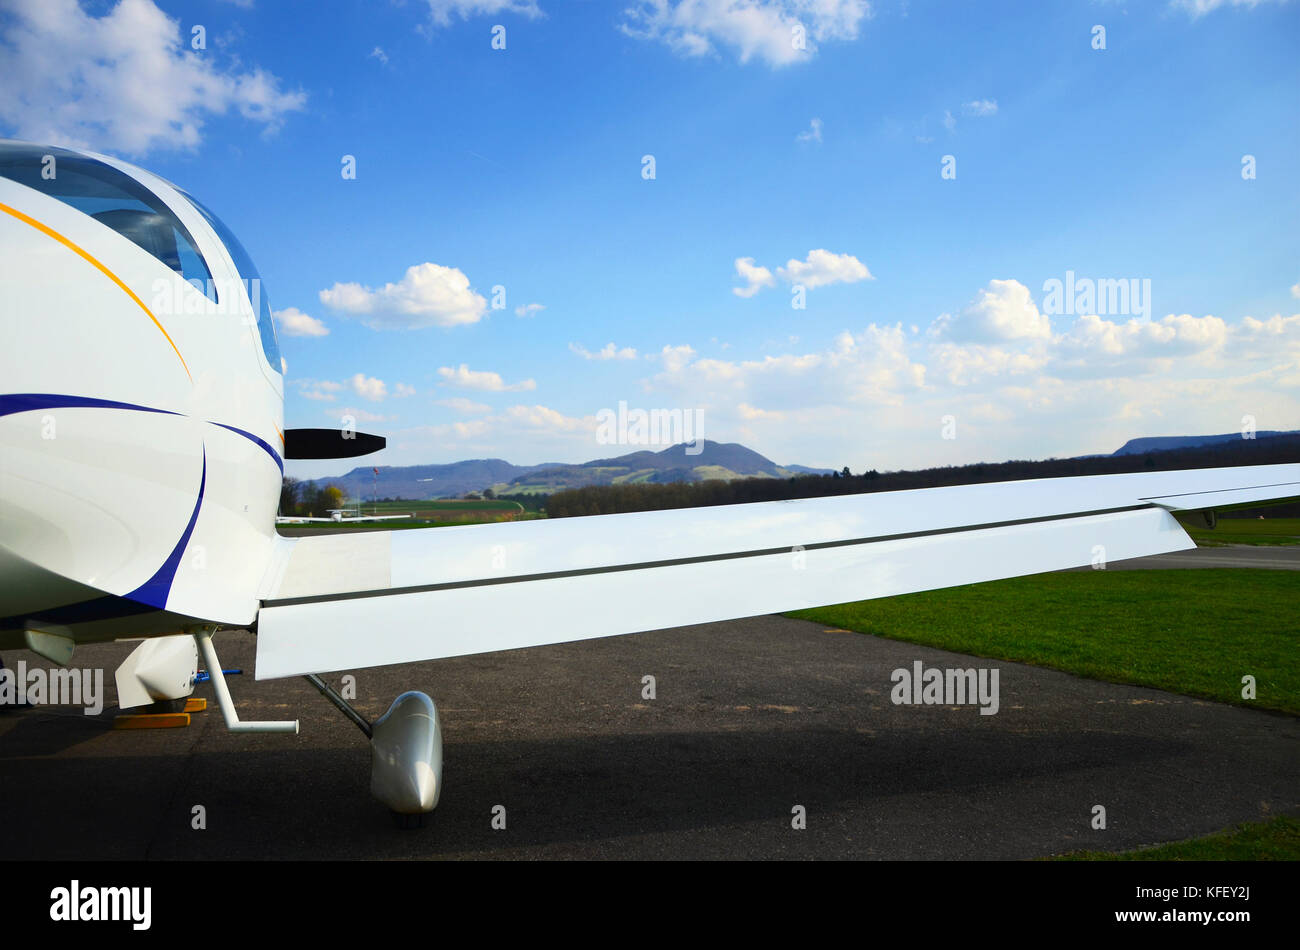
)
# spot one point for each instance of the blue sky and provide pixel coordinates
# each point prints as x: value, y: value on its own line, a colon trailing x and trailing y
x: 1170, y: 158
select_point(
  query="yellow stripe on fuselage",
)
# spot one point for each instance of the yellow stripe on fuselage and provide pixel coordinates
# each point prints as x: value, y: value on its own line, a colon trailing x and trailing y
x: 86, y: 255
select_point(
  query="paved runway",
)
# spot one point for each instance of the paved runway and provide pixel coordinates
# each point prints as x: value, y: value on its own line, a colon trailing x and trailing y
x: 1273, y: 557
x: 751, y: 718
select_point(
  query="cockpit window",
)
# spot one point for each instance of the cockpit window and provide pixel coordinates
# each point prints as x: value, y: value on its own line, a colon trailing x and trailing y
x: 114, y: 199
x: 251, y: 280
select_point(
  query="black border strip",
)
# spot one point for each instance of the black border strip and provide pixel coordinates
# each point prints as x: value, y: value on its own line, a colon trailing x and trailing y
x: 674, y: 562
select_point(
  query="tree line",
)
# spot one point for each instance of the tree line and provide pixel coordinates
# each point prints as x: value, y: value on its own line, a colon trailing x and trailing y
x: 307, y: 498
x: 612, y: 499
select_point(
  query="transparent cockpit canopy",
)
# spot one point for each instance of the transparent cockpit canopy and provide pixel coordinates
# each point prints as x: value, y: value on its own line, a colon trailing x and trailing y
x: 114, y: 199
x: 251, y: 280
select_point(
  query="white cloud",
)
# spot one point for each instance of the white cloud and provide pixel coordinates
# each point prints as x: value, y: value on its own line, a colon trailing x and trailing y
x: 441, y: 12
x: 755, y: 277
x: 379, y: 54
x: 1004, y: 310
x: 813, y: 134
x: 607, y: 352
x: 754, y: 29
x: 293, y: 322
x: 872, y: 366
x: 818, y: 269
x: 963, y: 364
x: 461, y: 404
x: 520, y: 433
x: 529, y: 309
x: 1095, y: 338
x: 675, y: 357
x: 125, y: 81
x: 874, y: 399
x: 1198, y: 8
x: 428, y: 295
x: 322, y: 390
x: 1002, y: 335
x: 541, y: 417
x: 981, y: 107
x: 1295, y: 291
x: 751, y: 414
x: 978, y: 108
x: 462, y: 377
x: 360, y: 415
x: 821, y: 267
x: 1278, y: 337
x: 367, y: 387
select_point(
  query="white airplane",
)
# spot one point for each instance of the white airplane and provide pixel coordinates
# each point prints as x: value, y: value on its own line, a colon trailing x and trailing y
x: 337, y: 516
x: 142, y: 447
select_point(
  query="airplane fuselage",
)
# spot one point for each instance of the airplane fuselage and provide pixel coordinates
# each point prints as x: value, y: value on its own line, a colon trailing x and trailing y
x: 141, y: 411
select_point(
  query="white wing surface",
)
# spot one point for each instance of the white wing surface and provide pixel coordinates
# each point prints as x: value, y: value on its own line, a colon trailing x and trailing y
x: 357, y: 600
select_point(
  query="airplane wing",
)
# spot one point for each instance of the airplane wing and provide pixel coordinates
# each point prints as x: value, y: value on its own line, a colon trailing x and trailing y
x: 358, y: 600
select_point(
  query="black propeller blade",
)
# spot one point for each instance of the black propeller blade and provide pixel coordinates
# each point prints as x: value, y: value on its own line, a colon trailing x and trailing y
x: 329, y: 443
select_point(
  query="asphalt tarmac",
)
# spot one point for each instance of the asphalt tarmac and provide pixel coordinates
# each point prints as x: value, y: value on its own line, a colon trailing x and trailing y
x: 1271, y: 557
x: 751, y: 720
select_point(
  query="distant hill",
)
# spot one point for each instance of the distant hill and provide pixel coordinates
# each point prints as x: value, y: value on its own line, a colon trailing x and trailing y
x: 610, y: 499
x: 1163, y: 443
x: 716, y: 460
x: 722, y: 461
x: 427, y: 481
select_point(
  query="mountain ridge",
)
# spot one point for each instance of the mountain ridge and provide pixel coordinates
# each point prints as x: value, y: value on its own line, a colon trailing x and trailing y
x: 452, y: 479
x: 715, y: 460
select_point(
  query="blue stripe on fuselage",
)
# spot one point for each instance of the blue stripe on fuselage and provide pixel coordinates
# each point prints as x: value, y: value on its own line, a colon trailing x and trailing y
x: 154, y: 591
x: 266, y: 447
x: 31, y: 402
x: 86, y: 611
x: 34, y: 402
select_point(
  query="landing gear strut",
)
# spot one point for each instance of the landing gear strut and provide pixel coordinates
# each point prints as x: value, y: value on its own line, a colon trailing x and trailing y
x: 405, y: 742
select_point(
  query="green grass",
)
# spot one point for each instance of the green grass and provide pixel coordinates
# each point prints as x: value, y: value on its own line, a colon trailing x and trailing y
x: 707, y: 472
x: 635, y: 478
x: 334, y: 527
x: 1274, y: 840
x: 1192, y: 632
x: 506, y: 488
x: 1244, y: 531
x: 443, y: 504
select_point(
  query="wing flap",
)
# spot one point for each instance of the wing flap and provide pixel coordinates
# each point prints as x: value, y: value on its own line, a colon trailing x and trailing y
x: 375, y: 629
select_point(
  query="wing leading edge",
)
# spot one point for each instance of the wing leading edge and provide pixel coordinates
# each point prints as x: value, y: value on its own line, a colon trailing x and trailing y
x: 352, y: 601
